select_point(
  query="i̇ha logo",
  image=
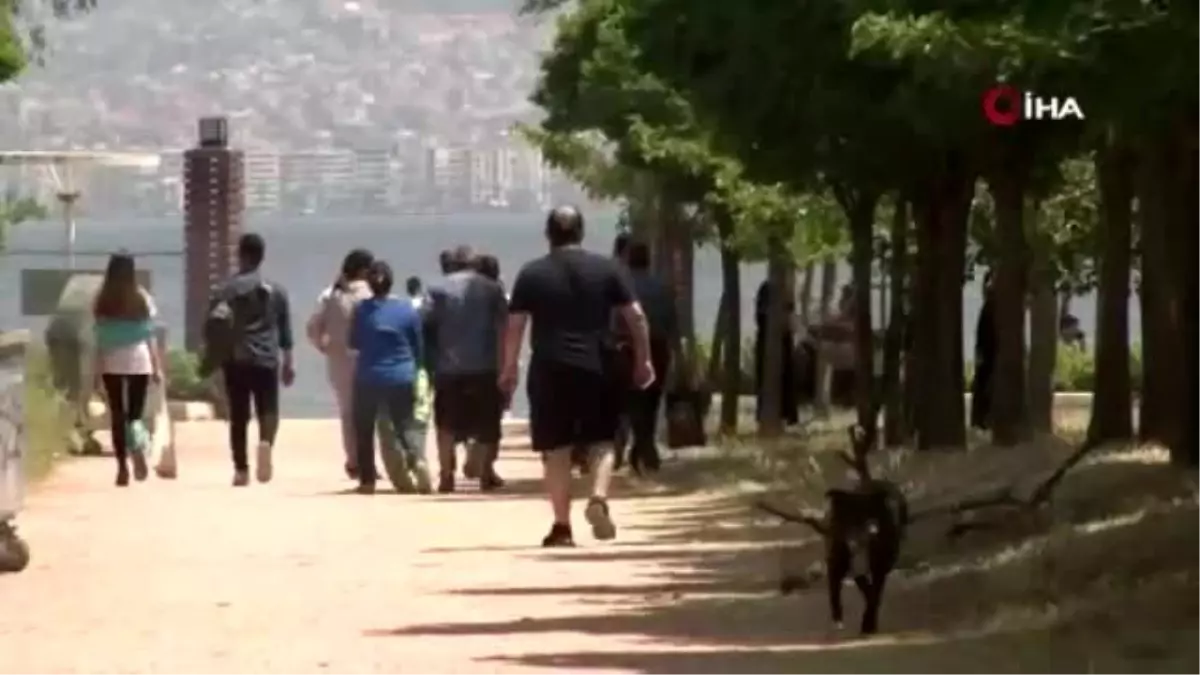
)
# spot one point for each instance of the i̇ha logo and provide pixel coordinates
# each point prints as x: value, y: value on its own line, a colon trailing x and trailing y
x: 1004, y: 106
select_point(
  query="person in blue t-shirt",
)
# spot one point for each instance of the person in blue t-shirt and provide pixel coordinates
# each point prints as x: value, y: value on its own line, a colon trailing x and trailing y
x: 386, y: 333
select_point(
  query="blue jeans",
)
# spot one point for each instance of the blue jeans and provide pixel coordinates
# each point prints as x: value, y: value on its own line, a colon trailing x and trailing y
x: 398, y: 402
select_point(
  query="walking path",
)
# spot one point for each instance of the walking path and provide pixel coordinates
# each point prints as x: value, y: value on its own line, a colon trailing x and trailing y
x: 299, y: 576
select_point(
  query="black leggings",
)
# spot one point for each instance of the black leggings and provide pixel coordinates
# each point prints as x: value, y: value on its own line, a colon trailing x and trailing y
x: 126, y: 403
x: 245, y: 383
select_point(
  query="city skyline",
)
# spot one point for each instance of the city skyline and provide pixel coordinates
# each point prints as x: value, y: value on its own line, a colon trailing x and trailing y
x: 414, y: 177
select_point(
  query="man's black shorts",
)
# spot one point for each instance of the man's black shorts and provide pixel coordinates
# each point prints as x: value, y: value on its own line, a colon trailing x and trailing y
x: 468, y: 406
x: 570, y: 406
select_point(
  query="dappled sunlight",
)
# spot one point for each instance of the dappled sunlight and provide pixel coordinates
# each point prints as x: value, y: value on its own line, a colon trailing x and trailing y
x: 1144, y: 454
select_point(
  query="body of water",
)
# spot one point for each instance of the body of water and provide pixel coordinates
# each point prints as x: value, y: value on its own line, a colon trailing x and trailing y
x: 304, y: 255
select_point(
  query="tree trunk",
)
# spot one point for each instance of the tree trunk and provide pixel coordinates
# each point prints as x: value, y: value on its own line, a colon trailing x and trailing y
x: 895, y: 430
x: 1162, y: 348
x: 829, y: 281
x: 731, y: 382
x: 860, y: 212
x: 778, y: 274
x: 806, y: 289
x: 1007, y: 185
x: 1112, y: 418
x: 823, y: 372
x: 941, y: 206
x: 712, y: 370
x: 1043, y: 343
x: 1186, y: 215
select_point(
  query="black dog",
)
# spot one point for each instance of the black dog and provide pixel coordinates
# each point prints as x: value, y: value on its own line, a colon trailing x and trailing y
x: 865, y: 528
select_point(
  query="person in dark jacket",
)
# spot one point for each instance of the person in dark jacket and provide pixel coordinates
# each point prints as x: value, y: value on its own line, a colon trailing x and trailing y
x: 790, y: 404
x: 260, y: 358
x: 658, y: 303
x: 985, y: 359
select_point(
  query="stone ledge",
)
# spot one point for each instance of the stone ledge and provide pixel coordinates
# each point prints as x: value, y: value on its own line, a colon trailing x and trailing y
x: 181, y: 411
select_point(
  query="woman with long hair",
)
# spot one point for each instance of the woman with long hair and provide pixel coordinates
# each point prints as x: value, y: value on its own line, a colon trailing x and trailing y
x: 385, y: 330
x: 328, y: 329
x: 127, y: 358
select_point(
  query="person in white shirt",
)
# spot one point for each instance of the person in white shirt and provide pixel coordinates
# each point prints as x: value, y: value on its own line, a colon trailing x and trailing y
x: 328, y: 330
x: 127, y: 358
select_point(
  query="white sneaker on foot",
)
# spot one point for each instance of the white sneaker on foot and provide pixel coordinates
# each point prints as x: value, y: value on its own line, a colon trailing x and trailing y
x: 262, y: 464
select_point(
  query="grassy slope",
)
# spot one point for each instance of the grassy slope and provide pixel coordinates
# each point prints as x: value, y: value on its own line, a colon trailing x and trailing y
x: 1104, y: 581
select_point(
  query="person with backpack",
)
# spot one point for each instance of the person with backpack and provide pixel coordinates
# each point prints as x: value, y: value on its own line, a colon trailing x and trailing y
x: 127, y: 359
x: 248, y: 336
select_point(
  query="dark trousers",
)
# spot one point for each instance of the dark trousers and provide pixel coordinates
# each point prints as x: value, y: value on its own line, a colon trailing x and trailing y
x: 245, y: 384
x: 398, y: 401
x: 126, y: 403
x: 643, y: 406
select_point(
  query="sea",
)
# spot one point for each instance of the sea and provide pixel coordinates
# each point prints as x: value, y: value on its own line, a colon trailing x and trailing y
x: 304, y: 254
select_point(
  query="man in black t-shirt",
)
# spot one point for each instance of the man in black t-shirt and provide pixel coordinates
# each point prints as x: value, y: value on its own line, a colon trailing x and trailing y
x: 568, y: 295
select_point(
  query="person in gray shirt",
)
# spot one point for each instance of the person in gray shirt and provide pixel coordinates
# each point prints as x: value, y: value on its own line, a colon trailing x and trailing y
x: 466, y: 311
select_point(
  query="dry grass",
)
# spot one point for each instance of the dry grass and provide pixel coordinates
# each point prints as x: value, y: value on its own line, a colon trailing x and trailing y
x: 1104, y: 578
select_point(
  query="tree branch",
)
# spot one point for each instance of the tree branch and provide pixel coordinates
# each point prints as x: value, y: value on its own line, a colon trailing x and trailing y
x: 808, y: 517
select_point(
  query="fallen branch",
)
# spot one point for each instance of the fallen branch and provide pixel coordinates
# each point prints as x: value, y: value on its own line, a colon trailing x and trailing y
x: 1006, y: 498
x: 813, y: 519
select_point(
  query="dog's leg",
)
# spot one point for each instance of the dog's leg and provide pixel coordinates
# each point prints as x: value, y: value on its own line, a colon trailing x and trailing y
x: 837, y: 563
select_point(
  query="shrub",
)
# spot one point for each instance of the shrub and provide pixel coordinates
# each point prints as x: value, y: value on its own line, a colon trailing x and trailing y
x: 703, y: 352
x: 46, y: 418
x: 1075, y: 369
x: 183, y: 378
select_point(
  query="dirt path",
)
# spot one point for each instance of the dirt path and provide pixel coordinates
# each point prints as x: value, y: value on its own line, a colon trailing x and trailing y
x: 195, y: 576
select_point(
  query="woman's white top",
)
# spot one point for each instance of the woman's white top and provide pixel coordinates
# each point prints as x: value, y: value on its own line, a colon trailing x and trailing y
x: 133, y: 359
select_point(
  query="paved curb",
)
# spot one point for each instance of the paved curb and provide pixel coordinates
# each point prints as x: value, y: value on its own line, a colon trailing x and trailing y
x: 181, y: 411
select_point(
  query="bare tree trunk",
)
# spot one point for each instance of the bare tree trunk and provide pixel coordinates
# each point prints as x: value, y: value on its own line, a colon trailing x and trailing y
x: 1043, y: 343
x: 860, y: 211
x: 894, y: 425
x: 712, y: 370
x: 1162, y: 346
x: 1112, y: 418
x: 806, y: 290
x: 941, y: 205
x: 829, y: 282
x: 731, y: 383
x: 778, y: 274
x: 823, y: 371
x: 1007, y: 185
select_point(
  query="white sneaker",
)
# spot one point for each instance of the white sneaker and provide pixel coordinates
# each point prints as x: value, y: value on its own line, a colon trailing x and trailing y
x: 262, y: 465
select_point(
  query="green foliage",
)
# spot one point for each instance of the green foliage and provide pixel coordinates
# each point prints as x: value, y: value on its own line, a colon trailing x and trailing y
x: 15, y: 210
x: 12, y: 51
x: 704, y: 353
x: 46, y: 417
x: 183, y: 380
x: 1075, y: 369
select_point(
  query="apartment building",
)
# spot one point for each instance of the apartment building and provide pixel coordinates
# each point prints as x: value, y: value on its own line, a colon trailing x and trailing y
x: 374, y: 178
x: 264, y: 181
x: 317, y: 180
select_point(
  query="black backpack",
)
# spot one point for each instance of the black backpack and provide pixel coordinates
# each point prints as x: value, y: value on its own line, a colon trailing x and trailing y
x: 227, y: 323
